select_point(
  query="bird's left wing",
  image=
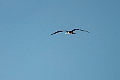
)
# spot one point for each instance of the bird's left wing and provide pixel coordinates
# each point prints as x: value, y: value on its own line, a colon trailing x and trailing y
x: 56, y: 32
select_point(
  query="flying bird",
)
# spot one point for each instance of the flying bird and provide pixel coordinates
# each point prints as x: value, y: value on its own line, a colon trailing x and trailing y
x: 69, y: 32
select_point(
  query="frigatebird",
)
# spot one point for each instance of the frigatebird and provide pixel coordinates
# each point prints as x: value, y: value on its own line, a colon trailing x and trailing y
x: 69, y: 32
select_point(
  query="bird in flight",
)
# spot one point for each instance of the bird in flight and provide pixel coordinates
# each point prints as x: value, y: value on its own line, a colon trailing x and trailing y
x: 69, y: 32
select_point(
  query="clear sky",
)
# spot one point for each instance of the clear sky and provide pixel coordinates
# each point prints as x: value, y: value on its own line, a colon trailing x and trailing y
x: 28, y: 52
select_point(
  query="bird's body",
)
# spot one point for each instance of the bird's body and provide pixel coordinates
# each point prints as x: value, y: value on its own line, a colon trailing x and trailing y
x: 69, y: 32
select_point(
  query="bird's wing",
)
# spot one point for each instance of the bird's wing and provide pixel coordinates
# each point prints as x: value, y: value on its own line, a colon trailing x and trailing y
x: 80, y: 30
x: 84, y: 30
x: 56, y: 32
x: 75, y: 29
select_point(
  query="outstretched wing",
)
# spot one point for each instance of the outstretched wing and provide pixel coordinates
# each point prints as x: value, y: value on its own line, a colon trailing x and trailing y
x: 84, y: 30
x: 75, y: 29
x: 80, y: 30
x: 56, y: 32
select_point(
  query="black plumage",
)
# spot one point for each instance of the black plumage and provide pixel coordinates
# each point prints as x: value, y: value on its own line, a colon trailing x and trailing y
x: 56, y: 32
x: 69, y: 32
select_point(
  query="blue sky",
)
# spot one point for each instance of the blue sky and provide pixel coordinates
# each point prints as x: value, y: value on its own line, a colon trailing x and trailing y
x: 28, y: 52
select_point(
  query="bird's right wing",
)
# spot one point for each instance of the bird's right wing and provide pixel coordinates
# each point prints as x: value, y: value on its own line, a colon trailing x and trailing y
x: 80, y: 30
x: 75, y: 29
x: 84, y: 30
x: 56, y: 32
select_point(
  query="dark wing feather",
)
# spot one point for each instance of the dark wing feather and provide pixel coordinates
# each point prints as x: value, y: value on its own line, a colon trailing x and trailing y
x: 80, y: 30
x: 84, y: 30
x: 75, y: 29
x: 56, y: 32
